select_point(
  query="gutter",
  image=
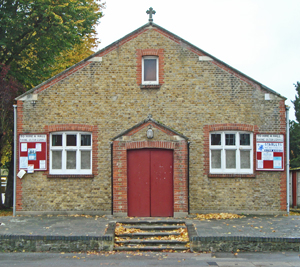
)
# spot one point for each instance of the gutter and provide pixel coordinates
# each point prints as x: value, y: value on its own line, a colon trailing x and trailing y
x: 287, y: 160
x: 15, y: 161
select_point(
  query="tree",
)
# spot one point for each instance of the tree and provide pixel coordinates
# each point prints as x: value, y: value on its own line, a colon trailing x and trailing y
x: 295, y: 132
x: 70, y: 57
x: 39, y: 38
x: 9, y: 90
x: 34, y: 33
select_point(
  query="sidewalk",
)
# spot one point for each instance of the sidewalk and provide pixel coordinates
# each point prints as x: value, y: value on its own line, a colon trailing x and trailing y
x: 84, y: 229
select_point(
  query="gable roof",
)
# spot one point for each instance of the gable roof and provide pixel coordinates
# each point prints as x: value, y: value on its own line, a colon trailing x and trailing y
x: 129, y: 37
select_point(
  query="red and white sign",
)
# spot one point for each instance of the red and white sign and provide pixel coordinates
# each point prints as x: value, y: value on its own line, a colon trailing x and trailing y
x: 269, y: 152
x: 33, y: 152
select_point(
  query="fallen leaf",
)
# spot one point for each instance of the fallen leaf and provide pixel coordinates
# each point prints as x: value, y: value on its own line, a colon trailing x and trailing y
x: 218, y: 216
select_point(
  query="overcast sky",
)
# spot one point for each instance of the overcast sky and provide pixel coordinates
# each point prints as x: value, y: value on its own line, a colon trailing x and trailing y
x: 260, y: 38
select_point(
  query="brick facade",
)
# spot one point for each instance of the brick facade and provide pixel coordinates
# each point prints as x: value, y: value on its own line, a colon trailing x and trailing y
x: 194, y: 97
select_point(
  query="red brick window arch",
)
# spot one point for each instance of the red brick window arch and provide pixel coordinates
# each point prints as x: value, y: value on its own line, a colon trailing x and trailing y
x: 229, y: 150
x: 150, y: 67
x: 76, y: 138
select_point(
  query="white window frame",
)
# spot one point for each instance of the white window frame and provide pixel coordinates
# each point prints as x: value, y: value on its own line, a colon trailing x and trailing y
x: 64, y: 148
x: 237, y: 147
x: 157, y: 71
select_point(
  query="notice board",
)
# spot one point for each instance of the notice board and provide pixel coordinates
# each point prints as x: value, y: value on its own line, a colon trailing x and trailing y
x: 269, y: 152
x: 33, y: 152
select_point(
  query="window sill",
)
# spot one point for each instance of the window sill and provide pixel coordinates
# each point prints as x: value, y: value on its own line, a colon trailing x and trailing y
x: 150, y: 86
x: 236, y: 175
x: 66, y: 176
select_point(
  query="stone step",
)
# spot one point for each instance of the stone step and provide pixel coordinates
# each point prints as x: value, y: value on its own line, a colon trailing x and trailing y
x: 151, y: 229
x: 158, y: 222
x: 151, y: 248
x: 154, y: 227
x: 151, y: 242
x: 148, y: 234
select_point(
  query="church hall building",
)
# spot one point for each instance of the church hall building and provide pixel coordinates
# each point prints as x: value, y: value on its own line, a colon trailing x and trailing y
x: 151, y: 126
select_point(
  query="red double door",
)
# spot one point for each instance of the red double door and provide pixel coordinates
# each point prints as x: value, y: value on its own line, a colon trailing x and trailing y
x: 150, y: 183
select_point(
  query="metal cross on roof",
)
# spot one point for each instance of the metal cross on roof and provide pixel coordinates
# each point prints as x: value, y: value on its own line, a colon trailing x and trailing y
x: 150, y: 12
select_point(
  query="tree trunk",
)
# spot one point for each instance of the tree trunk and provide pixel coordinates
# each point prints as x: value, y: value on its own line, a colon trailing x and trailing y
x: 10, y: 182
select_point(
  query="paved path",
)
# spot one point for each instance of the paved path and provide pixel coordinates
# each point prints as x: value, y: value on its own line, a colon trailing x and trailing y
x: 256, y: 226
x: 277, y: 259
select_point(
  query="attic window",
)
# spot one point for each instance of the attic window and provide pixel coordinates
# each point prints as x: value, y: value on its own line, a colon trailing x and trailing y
x: 150, y: 70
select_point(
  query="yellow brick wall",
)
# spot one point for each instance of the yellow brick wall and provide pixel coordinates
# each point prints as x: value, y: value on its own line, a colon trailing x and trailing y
x: 194, y: 94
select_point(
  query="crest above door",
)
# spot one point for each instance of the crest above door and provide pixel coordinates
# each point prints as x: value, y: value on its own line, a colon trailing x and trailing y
x: 150, y: 129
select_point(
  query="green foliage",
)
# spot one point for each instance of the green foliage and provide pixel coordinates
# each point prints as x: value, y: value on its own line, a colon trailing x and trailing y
x: 295, y: 132
x: 72, y: 56
x: 294, y: 144
x: 296, y: 102
x: 34, y: 33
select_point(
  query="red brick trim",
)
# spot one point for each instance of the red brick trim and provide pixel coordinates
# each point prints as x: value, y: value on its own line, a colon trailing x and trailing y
x: 210, y: 175
x: 154, y: 125
x: 70, y: 127
x: 120, y: 172
x: 80, y: 128
x: 161, y: 62
x: 85, y: 63
x: 217, y: 63
x: 229, y: 127
x: 61, y: 77
x: 282, y: 112
x: 150, y: 144
x: 283, y: 196
x: 150, y: 86
x: 170, y: 36
x: 70, y: 176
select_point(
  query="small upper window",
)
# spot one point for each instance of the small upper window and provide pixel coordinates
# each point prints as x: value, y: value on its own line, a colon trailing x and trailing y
x: 150, y: 70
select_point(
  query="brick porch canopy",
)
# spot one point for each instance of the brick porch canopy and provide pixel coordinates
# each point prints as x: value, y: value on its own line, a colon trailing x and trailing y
x: 135, y: 138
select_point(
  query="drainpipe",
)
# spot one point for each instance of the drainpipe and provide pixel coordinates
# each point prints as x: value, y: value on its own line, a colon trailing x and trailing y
x: 15, y: 160
x: 112, y: 175
x: 188, y: 175
x: 287, y: 160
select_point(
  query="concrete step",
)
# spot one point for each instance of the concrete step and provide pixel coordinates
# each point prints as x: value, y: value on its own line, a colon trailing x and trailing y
x: 151, y: 229
x: 155, y: 227
x: 148, y: 234
x: 149, y: 222
x: 151, y: 248
x: 151, y: 242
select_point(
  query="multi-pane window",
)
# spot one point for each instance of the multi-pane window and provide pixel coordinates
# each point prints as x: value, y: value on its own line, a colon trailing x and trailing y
x: 231, y: 152
x: 150, y: 70
x: 71, y: 153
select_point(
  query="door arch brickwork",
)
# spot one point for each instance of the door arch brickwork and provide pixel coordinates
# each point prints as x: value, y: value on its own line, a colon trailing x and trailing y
x: 180, y: 156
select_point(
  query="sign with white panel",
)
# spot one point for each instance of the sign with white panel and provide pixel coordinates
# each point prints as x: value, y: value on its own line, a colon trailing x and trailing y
x: 269, y: 152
